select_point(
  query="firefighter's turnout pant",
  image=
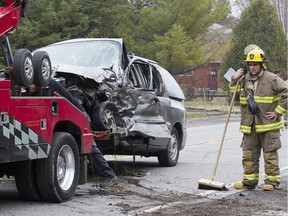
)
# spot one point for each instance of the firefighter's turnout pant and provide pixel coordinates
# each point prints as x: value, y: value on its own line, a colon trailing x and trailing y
x: 252, y: 144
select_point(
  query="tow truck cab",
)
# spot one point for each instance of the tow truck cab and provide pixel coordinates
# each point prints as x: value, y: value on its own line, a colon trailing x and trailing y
x: 34, y: 134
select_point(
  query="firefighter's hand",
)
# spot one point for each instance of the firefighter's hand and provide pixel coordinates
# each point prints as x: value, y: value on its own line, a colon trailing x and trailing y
x: 33, y: 88
x: 56, y: 94
x: 239, y: 73
x: 271, y: 115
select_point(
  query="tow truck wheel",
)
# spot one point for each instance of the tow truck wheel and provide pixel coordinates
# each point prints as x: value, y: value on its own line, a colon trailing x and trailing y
x: 23, y: 68
x: 25, y: 179
x: 58, y: 175
x: 169, y: 157
x: 42, y: 68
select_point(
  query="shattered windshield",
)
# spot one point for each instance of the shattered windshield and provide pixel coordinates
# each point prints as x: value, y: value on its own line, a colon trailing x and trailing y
x: 101, y: 54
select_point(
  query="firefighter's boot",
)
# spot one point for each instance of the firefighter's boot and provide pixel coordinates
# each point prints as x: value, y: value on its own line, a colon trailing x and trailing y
x: 268, y: 187
x: 240, y: 185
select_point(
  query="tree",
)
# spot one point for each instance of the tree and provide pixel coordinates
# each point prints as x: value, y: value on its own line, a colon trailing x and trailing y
x: 173, y: 32
x: 259, y: 24
x: 52, y: 21
x: 172, y: 53
x: 281, y: 6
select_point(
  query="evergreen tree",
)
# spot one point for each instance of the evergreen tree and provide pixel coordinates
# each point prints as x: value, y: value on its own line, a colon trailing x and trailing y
x: 172, y: 32
x: 52, y: 21
x: 260, y: 25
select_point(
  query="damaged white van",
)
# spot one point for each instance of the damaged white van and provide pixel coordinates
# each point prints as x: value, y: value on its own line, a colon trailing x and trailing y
x: 135, y: 105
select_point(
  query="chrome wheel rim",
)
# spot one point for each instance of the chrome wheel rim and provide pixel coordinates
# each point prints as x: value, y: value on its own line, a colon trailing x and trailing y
x: 28, y: 68
x: 46, y: 70
x: 173, y: 147
x: 65, y: 167
x: 109, y: 119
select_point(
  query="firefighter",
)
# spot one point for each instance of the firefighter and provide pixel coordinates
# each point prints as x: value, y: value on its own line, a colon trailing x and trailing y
x: 263, y: 100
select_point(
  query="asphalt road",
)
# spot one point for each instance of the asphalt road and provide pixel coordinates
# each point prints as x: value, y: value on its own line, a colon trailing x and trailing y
x: 144, y: 188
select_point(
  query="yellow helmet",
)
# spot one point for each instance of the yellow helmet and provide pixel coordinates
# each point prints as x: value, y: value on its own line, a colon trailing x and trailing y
x: 255, y: 55
x: 249, y: 48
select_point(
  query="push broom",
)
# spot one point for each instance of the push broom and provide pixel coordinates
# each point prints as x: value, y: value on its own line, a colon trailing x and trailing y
x: 211, y: 184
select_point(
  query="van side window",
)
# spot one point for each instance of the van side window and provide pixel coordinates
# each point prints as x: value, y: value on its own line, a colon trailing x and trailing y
x: 152, y: 79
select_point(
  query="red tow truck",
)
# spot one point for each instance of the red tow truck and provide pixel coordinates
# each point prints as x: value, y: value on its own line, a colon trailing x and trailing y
x: 44, y: 140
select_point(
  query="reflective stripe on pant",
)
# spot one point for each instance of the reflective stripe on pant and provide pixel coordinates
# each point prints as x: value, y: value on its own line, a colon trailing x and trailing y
x: 250, y: 163
x: 252, y: 144
x: 272, y: 168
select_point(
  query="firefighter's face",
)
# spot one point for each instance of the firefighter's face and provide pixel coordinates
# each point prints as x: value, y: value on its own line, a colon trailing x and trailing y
x: 255, y: 67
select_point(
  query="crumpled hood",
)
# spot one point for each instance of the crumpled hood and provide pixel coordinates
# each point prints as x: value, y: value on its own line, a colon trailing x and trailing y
x: 97, y: 74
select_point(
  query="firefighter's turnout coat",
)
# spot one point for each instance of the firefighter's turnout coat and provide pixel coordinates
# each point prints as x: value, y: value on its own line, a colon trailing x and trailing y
x: 270, y: 94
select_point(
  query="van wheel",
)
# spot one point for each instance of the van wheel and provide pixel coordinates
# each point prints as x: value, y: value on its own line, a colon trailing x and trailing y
x: 42, y: 68
x: 58, y: 175
x: 169, y: 157
x: 25, y: 178
x: 23, y: 72
x: 105, y: 117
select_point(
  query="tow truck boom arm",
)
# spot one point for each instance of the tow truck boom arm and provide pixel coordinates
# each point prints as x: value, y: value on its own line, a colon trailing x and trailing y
x: 11, y: 12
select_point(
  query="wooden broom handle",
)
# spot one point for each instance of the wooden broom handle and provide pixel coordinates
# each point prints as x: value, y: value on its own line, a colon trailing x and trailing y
x: 225, y: 128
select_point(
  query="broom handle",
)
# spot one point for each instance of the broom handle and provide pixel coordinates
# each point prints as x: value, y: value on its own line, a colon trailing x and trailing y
x: 225, y: 128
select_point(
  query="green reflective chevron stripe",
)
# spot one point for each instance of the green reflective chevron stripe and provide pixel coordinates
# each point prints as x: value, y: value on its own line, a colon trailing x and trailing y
x: 232, y: 89
x: 266, y: 99
x: 251, y: 177
x: 243, y: 100
x: 273, y: 178
x: 245, y: 129
x: 280, y: 110
x: 268, y: 127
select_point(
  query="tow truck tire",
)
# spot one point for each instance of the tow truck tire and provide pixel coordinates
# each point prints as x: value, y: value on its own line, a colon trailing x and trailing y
x: 25, y: 179
x: 23, y: 72
x: 58, y: 175
x: 105, y: 116
x: 169, y: 157
x: 42, y: 68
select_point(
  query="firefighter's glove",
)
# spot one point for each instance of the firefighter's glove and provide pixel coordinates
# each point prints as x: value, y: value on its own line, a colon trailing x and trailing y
x: 252, y: 105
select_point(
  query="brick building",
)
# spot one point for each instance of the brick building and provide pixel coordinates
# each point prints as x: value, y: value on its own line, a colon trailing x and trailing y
x: 204, y: 78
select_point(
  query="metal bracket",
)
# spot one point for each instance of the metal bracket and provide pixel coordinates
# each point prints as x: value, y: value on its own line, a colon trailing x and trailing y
x: 119, y: 130
x: 4, y: 118
x: 43, y: 124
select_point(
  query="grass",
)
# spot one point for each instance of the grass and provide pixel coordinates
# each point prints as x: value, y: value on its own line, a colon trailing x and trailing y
x: 205, y: 108
x: 216, y: 104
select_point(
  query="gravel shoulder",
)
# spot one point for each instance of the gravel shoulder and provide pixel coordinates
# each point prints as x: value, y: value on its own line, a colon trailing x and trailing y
x: 151, y: 202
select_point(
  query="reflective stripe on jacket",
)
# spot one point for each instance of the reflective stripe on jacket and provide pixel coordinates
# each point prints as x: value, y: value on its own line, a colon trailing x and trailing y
x: 270, y: 94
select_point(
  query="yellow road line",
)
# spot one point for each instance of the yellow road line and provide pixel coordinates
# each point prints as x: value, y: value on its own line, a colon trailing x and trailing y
x: 211, y: 142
